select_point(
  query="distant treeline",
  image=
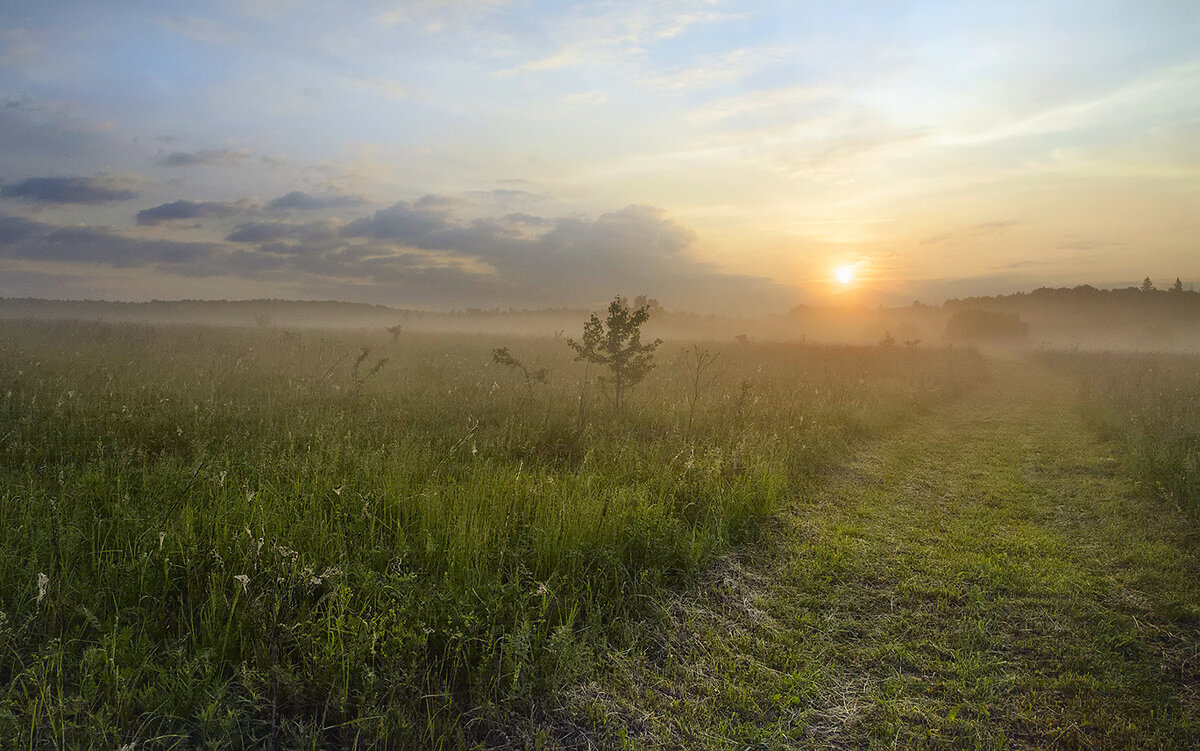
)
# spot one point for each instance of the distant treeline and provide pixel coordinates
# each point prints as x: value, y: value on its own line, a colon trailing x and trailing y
x: 1136, y: 316
x: 1133, y: 317
x: 299, y: 313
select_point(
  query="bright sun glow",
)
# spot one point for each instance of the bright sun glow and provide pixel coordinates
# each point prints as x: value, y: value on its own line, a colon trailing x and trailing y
x: 844, y: 274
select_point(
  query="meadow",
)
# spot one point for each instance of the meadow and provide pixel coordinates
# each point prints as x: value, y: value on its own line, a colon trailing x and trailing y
x: 1148, y: 404
x: 222, y: 537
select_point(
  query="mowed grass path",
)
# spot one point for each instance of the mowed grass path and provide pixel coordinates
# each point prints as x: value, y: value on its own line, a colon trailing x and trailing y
x: 988, y: 578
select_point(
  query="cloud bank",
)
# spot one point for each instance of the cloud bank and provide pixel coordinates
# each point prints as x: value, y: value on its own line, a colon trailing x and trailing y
x: 427, y: 251
x: 68, y: 190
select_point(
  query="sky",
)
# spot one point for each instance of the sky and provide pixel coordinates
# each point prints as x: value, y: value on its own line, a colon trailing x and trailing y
x: 718, y: 156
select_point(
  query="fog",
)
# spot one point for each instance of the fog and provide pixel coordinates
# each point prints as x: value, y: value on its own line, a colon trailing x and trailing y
x: 1083, y: 317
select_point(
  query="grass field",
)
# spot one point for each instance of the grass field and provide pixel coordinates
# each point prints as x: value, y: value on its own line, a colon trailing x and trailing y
x: 1148, y: 403
x: 219, y: 538
x: 990, y: 576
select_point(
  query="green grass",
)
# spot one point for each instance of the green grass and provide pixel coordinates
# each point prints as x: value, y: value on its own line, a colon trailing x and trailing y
x: 985, y: 578
x: 1149, y: 403
x: 223, y: 538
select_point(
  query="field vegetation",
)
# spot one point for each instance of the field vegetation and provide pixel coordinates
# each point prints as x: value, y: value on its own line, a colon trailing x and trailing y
x: 1149, y: 405
x: 378, y: 538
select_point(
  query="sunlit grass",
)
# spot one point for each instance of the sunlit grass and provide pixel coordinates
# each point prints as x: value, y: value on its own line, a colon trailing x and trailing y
x: 209, y: 534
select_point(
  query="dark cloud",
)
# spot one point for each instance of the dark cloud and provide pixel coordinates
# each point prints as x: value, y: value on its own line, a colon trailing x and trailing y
x: 168, y: 212
x: 34, y: 241
x: 35, y: 134
x: 305, y: 201
x: 425, y: 252
x: 437, y: 203
x: 560, y: 261
x: 14, y: 229
x: 262, y: 232
x: 68, y: 190
x: 402, y: 222
x: 204, y: 157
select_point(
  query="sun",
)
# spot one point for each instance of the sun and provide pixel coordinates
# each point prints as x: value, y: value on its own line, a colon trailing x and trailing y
x: 844, y: 274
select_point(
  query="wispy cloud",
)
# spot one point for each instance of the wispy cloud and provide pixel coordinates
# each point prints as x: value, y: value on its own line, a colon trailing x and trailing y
x: 617, y: 33
x: 1171, y: 84
x: 204, y: 157
x: 203, y: 30
x: 769, y: 103
x: 433, y: 16
x: 713, y: 71
x: 966, y: 233
x: 386, y: 86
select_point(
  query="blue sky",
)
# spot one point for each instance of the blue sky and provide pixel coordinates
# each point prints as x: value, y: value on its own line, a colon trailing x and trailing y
x: 716, y: 155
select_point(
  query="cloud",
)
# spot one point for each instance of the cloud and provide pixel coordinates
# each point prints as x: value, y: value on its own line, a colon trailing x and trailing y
x: 263, y: 232
x: 69, y: 190
x: 305, y: 201
x: 34, y: 241
x: 791, y: 103
x: 427, y: 252
x: 14, y: 229
x: 561, y: 261
x: 202, y: 30
x: 506, y: 195
x: 616, y: 34
x: 385, y: 86
x: 585, y: 98
x: 434, y: 16
x: 974, y: 231
x: 719, y: 70
x: 209, y: 157
x: 176, y: 210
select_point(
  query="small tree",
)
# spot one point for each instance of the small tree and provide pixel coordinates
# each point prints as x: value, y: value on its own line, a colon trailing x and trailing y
x: 501, y: 356
x: 1147, y: 285
x: 699, y: 360
x: 617, y: 344
x: 1178, y: 285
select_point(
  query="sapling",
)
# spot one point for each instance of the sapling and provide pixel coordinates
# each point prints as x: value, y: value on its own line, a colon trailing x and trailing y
x: 617, y: 344
x: 699, y: 361
x: 501, y: 356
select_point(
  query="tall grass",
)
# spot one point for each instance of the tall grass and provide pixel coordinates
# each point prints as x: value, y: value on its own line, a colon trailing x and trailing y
x: 1148, y: 403
x: 213, y: 534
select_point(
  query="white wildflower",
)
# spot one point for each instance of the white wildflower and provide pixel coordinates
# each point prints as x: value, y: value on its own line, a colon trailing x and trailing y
x: 244, y: 581
x: 43, y: 583
x: 161, y: 536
